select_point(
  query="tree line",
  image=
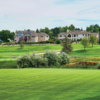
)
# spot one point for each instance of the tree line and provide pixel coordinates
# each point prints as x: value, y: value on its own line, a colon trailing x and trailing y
x: 53, y: 32
x: 6, y: 35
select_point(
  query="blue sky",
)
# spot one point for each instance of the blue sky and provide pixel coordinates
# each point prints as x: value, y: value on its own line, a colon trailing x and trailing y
x: 33, y: 14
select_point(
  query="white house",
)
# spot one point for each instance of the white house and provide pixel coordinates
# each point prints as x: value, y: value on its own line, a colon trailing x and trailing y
x: 78, y: 35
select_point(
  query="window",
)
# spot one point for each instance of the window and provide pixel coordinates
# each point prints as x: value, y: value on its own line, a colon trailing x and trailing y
x: 69, y: 35
x: 60, y: 35
x: 74, y: 35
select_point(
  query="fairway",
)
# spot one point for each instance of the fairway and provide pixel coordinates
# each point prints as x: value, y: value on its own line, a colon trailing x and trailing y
x: 12, y: 52
x: 49, y: 84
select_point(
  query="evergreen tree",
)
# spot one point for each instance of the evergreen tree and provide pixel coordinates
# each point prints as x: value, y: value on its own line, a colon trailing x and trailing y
x: 67, y: 45
x: 37, y: 31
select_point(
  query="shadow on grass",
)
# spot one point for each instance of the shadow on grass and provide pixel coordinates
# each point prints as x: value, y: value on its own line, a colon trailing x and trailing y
x: 92, y: 98
x: 81, y: 51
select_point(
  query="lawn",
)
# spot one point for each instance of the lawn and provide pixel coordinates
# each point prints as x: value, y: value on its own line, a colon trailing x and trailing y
x: 49, y: 84
x: 12, y: 52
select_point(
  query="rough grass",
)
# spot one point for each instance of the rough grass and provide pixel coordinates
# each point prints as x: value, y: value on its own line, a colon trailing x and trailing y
x: 49, y: 84
x: 9, y: 54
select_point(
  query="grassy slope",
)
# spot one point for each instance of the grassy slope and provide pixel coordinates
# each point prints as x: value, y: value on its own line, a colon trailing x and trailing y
x: 11, y: 52
x: 49, y: 84
x: 8, y: 54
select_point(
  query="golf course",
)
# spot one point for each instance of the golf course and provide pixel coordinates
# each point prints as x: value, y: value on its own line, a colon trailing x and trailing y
x: 49, y: 84
x: 9, y: 54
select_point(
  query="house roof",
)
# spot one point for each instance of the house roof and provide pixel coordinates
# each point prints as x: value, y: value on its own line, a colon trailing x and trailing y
x: 42, y: 34
x: 77, y: 32
x: 31, y: 33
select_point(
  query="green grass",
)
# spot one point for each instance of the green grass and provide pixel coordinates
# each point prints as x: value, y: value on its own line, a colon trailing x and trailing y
x: 12, y: 52
x: 9, y: 54
x: 49, y: 84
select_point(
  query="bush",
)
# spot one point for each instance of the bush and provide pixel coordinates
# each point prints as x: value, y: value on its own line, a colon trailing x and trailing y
x: 38, y: 61
x: 64, y: 58
x: 98, y: 66
x: 24, y: 62
x: 21, y: 44
x: 31, y: 61
x: 58, y: 41
x: 52, y: 57
x: 48, y: 59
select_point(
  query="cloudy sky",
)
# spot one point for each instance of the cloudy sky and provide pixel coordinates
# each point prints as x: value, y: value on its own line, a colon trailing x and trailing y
x: 33, y: 14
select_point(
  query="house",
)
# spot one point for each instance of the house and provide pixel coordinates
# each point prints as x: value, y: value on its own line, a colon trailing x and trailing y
x: 30, y: 36
x: 77, y: 35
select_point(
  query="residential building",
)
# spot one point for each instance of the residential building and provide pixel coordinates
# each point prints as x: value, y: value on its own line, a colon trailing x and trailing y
x: 77, y: 35
x: 30, y: 36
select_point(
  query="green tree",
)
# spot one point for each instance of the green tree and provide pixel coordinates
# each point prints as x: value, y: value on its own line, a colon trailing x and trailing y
x: 99, y: 36
x: 42, y: 30
x: 92, y: 40
x: 71, y: 27
x: 37, y: 31
x: 21, y: 44
x: 56, y: 31
x: 67, y: 45
x: 93, y: 28
x: 85, y: 42
x: 47, y: 30
x: 5, y: 35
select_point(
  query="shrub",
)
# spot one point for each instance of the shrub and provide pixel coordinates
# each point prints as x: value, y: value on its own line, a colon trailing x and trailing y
x: 24, y: 62
x: 48, y: 59
x: 37, y: 61
x: 52, y: 57
x: 98, y: 66
x: 21, y: 45
x: 64, y: 58
x: 58, y: 41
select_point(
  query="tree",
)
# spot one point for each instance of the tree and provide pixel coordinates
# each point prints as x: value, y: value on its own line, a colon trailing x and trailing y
x: 99, y: 35
x: 67, y: 45
x: 55, y: 31
x: 71, y: 27
x: 93, y: 28
x: 37, y: 31
x: 42, y: 30
x: 47, y: 30
x: 85, y: 42
x: 21, y: 44
x: 5, y: 35
x: 93, y: 40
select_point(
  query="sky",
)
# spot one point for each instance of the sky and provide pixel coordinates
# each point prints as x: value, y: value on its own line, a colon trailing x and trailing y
x: 33, y: 14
